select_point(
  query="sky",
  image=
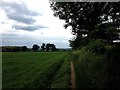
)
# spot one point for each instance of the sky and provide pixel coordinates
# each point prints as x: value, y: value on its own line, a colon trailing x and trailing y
x: 28, y: 22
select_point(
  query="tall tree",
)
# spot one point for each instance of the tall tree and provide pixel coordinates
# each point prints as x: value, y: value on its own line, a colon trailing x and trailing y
x: 50, y: 47
x: 24, y: 48
x: 43, y: 47
x: 35, y: 47
x: 85, y: 18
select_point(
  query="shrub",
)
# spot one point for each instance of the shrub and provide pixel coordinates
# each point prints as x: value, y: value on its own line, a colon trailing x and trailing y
x: 90, y: 69
x: 97, y: 47
x: 113, y: 60
x: 97, y: 70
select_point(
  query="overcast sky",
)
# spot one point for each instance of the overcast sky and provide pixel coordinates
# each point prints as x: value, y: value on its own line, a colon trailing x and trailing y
x: 28, y: 22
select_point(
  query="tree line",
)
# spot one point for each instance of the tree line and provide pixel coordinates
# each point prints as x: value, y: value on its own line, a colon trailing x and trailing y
x: 44, y: 47
x: 35, y: 47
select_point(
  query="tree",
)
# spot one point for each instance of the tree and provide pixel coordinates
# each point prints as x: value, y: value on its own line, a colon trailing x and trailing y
x: 35, y: 47
x: 78, y: 42
x: 85, y: 18
x: 47, y: 47
x: 50, y: 47
x: 43, y: 47
x: 24, y: 48
x: 53, y: 48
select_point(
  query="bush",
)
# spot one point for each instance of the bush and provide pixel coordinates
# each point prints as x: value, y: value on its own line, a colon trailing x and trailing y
x: 97, y: 47
x: 97, y: 70
x: 14, y: 48
x: 90, y: 69
x: 11, y: 49
x: 113, y: 60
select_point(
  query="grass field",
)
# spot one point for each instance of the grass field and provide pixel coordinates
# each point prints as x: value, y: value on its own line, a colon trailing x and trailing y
x: 34, y: 69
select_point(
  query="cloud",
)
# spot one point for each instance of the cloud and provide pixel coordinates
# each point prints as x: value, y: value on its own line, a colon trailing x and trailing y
x: 20, y: 18
x: 27, y: 40
x: 29, y: 28
x: 19, y: 12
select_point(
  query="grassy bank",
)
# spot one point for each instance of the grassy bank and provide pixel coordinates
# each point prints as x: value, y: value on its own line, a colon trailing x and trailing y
x: 90, y: 69
x: 97, y: 66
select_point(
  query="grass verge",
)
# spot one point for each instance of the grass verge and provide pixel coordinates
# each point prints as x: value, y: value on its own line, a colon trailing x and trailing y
x: 62, y: 78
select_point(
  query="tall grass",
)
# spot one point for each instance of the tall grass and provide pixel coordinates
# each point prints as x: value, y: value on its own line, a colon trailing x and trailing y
x: 90, y: 69
x: 97, y: 66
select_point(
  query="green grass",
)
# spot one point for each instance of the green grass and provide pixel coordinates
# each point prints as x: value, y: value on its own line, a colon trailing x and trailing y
x: 62, y: 78
x: 30, y: 69
x: 91, y: 69
x: 96, y: 69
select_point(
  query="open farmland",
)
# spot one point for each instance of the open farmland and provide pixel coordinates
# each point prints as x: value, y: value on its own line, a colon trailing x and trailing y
x: 34, y: 69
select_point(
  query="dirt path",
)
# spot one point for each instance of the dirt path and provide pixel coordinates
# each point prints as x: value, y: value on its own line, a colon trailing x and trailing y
x: 73, y: 78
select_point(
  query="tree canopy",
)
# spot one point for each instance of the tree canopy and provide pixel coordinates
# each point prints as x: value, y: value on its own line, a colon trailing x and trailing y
x: 24, y: 48
x: 43, y: 47
x: 89, y: 20
x: 50, y: 47
x: 35, y: 47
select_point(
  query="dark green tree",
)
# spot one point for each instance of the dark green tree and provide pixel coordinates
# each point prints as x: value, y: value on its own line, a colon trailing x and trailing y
x: 35, y: 47
x: 43, y: 47
x: 86, y: 19
x: 50, y: 47
x: 53, y: 48
x: 47, y: 47
x: 24, y: 48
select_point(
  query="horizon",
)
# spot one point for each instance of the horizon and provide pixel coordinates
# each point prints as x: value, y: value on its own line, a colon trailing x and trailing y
x: 38, y: 45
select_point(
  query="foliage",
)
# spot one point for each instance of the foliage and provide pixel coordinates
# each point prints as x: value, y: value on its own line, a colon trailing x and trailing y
x: 78, y: 42
x: 50, y: 47
x: 24, y: 48
x: 90, y: 69
x: 43, y: 47
x: 97, y: 47
x: 113, y: 57
x: 11, y: 49
x: 35, y: 47
x: 89, y: 18
x: 106, y: 32
x: 14, y: 48
x: 96, y: 70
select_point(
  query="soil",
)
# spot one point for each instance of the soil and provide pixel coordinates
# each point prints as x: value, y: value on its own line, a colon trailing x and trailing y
x: 73, y: 78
